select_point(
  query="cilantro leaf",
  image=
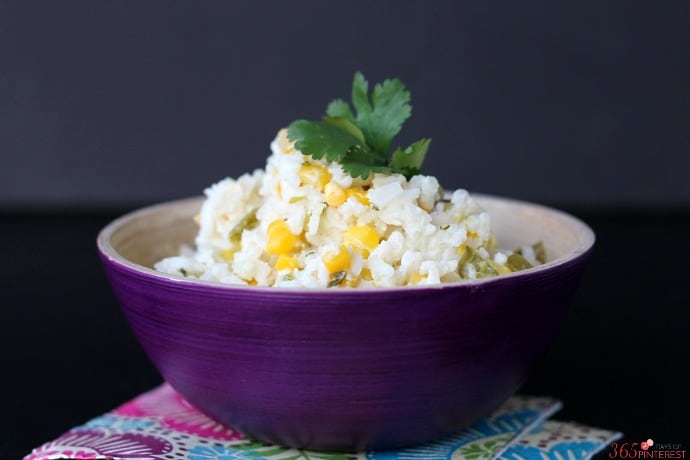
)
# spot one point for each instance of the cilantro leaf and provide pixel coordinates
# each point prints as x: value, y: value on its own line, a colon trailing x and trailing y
x: 346, y: 125
x: 340, y: 108
x: 383, y: 117
x: 361, y: 142
x: 321, y: 139
x: 360, y: 94
x: 409, y: 161
x: 358, y: 162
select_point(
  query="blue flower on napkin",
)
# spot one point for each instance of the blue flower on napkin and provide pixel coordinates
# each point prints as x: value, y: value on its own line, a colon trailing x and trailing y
x: 218, y: 452
x: 575, y: 449
x: 483, y: 440
x: 122, y: 423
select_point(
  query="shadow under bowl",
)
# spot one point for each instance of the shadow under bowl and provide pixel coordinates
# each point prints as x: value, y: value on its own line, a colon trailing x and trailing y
x: 345, y: 369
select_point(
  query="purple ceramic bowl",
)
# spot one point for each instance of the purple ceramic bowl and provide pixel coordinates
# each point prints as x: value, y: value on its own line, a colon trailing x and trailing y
x: 345, y: 369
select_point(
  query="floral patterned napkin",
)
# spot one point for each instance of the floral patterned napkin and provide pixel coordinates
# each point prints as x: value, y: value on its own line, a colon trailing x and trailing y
x: 161, y: 425
x: 554, y: 440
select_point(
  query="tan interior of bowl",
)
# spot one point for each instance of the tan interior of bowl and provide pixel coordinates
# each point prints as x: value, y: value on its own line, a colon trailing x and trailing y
x: 151, y: 234
x: 148, y: 235
x: 518, y: 223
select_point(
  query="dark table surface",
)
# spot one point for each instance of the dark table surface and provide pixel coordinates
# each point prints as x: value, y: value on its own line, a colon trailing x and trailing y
x: 622, y: 360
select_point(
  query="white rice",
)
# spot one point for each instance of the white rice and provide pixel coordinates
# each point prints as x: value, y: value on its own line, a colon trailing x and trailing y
x: 421, y: 237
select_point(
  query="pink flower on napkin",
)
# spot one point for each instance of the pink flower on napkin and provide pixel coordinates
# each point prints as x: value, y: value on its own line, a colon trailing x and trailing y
x: 80, y: 454
x: 176, y: 414
x: 86, y: 444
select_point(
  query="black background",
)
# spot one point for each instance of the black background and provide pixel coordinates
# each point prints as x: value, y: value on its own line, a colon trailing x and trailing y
x: 105, y: 107
x: 570, y: 103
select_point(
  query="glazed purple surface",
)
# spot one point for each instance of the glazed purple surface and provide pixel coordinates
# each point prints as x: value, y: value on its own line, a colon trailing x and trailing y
x: 346, y: 369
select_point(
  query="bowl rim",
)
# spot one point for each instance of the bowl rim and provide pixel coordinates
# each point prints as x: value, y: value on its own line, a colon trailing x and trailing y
x: 107, y: 251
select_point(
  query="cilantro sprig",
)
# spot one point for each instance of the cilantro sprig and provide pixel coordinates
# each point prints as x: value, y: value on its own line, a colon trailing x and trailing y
x: 361, y: 141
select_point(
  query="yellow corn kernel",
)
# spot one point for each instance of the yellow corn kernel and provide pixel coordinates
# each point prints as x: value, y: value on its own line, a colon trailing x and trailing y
x: 315, y: 175
x: 472, y: 234
x: 361, y: 237
x: 416, y: 278
x: 228, y: 254
x: 365, y: 274
x: 335, y: 195
x: 359, y: 194
x: 462, y: 248
x: 252, y: 282
x: 286, y: 263
x: 280, y: 239
x: 337, y: 261
x: 284, y: 143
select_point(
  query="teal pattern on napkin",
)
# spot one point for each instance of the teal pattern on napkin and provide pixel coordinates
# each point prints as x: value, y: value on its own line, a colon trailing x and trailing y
x: 554, y: 440
x: 162, y: 425
x: 487, y: 438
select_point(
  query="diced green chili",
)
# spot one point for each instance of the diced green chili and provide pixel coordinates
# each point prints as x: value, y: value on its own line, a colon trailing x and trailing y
x: 539, y: 252
x: 466, y: 256
x: 248, y: 222
x: 484, y: 269
x: 516, y: 262
x: 336, y: 279
x: 481, y: 266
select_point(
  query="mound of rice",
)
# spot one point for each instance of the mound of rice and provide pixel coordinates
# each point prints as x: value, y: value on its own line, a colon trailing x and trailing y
x: 305, y: 223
